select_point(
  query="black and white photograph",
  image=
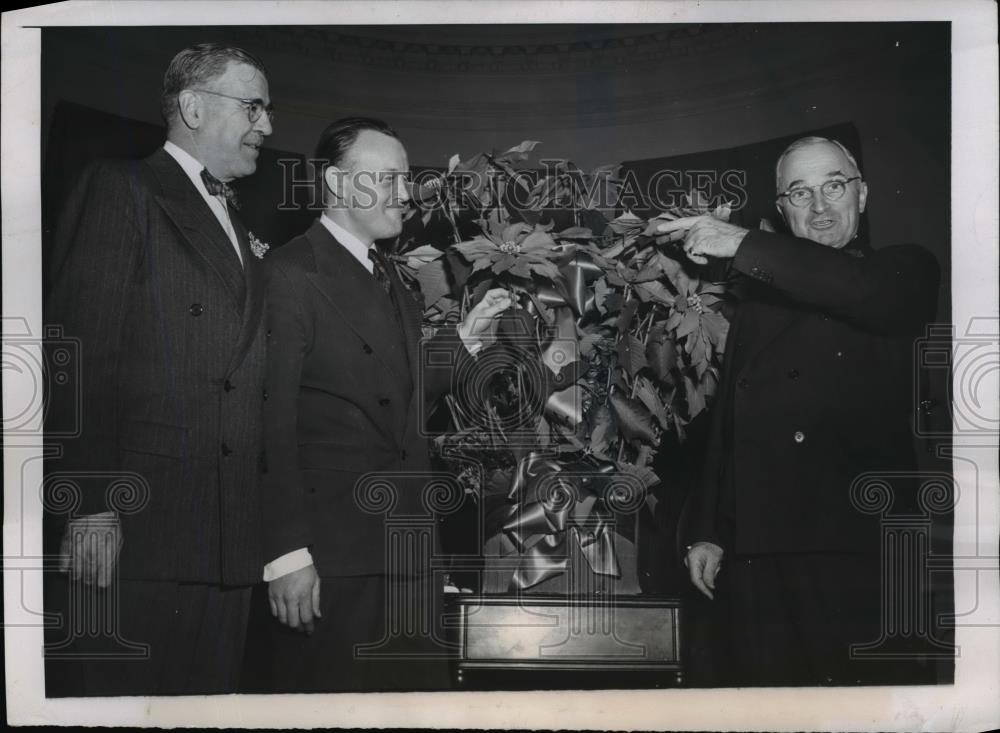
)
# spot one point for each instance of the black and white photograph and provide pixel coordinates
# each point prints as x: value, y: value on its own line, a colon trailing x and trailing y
x: 548, y: 365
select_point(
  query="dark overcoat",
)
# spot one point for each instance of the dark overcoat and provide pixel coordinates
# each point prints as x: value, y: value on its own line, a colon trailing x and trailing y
x: 816, y: 392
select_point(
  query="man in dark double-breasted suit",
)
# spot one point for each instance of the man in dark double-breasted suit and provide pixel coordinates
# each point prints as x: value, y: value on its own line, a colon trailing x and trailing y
x: 815, y: 400
x: 154, y: 275
x: 345, y: 443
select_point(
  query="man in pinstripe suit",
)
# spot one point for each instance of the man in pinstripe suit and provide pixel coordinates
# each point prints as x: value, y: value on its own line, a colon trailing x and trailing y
x: 153, y: 272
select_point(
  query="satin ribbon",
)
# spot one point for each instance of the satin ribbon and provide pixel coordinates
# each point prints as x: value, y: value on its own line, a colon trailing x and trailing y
x: 553, y: 502
x: 578, y: 270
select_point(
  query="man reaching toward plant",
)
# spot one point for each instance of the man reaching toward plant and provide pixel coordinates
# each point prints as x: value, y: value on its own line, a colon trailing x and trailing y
x: 815, y: 392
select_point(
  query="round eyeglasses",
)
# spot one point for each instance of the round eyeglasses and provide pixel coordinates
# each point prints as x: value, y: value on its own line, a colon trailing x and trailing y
x: 255, y: 107
x: 802, y: 196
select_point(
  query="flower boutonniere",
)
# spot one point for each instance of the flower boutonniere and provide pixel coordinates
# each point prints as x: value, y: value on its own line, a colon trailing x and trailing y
x: 258, y: 247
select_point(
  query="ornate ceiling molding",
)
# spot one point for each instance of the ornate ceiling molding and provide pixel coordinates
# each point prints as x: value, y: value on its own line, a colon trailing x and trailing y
x: 614, y: 50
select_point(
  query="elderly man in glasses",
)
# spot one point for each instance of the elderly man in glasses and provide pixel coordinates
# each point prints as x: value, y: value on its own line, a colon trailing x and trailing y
x: 153, y: 273
x: 816, y: 392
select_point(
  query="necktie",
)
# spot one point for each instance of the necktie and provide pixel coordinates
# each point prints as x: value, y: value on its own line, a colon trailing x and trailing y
x: 215, y: 187
x: 379, y: 270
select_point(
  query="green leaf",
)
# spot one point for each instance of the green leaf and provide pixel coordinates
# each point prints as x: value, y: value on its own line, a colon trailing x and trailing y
x: 688, y: 324
x: 576, y: 233
x: 650, y: 397
x: 475, y: 248
x: 587, y: 342
x: 601, y: 291
x: 545, y: 269
x: 635, y: 421
x: 709, y: 382
x: 481, y: 264
x: 537, y: 241
x: 631, y: 354
x: 695, y: 397
x: 520, y: 151
x: 715, y: 328
x: 521, y: 268
x: 695, y: 346
x: 662, y: 356
x: 503, y: 264
x: 626, y: 315
x: 422, y: 255
x: 603, y: 432
x: 433, y: 282
x: 512, y: 232
x: 654, y: 291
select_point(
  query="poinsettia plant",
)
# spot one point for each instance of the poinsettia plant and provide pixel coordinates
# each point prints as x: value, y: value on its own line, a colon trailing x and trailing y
x: 615, y: 338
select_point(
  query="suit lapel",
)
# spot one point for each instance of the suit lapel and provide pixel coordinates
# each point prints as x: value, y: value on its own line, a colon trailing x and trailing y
x: 410, y: 314
x: 197, y: 224
x: 356, y: 297
x: 253, y: 302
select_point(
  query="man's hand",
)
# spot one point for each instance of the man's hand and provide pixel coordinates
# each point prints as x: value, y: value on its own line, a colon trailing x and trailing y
x: 481, y: 318
x: 703, y: 561
x: 90, y: 547
x: 294, y: 598
x: 705, y: 236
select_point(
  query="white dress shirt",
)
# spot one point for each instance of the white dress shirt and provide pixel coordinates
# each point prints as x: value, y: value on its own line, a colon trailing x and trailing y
x: 217, y: 204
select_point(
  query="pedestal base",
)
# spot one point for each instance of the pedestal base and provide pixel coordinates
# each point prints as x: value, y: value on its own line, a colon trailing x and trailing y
x: 569, y: 634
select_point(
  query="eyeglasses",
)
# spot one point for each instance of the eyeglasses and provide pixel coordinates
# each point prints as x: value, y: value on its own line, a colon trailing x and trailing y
x: 255, y: 107
x: 802, y: 196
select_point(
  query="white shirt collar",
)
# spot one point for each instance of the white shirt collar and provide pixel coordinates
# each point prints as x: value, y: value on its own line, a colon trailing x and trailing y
x: 190, y: 165
x: 351, y: 243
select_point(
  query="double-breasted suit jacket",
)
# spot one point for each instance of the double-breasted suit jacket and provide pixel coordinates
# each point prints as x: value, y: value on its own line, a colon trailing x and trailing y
x: 815, y: 391
x: 171, y: 344
x: 346, y: 396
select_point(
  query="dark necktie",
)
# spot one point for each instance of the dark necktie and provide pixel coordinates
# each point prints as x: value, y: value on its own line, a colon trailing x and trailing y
x: 215, y: 187
x: 379, y: 270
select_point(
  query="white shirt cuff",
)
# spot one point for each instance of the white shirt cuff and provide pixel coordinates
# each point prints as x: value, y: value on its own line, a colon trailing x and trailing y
x: 287, y: 563
x: 472, y: 345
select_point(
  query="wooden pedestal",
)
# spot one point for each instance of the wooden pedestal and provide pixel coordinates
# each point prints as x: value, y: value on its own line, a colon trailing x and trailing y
x: 568, y: 633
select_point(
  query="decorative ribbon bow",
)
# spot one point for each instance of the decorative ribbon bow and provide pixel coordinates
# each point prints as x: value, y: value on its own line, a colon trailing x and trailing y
x: 552, y: 501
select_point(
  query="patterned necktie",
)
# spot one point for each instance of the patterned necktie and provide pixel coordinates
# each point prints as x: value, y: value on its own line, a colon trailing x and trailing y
x: 379, y: 270
x: 215, y: 187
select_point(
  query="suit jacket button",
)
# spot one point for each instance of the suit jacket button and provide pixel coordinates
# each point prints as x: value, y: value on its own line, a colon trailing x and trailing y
x: 367, y: 349
x: 799, y: 436
x: 794, y: 374
x: 265, y: 394
x: 228, y: 386
x: 384, y: 401
x: 196, y: 309
x: 226, y: 450
x: 743, y: 383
